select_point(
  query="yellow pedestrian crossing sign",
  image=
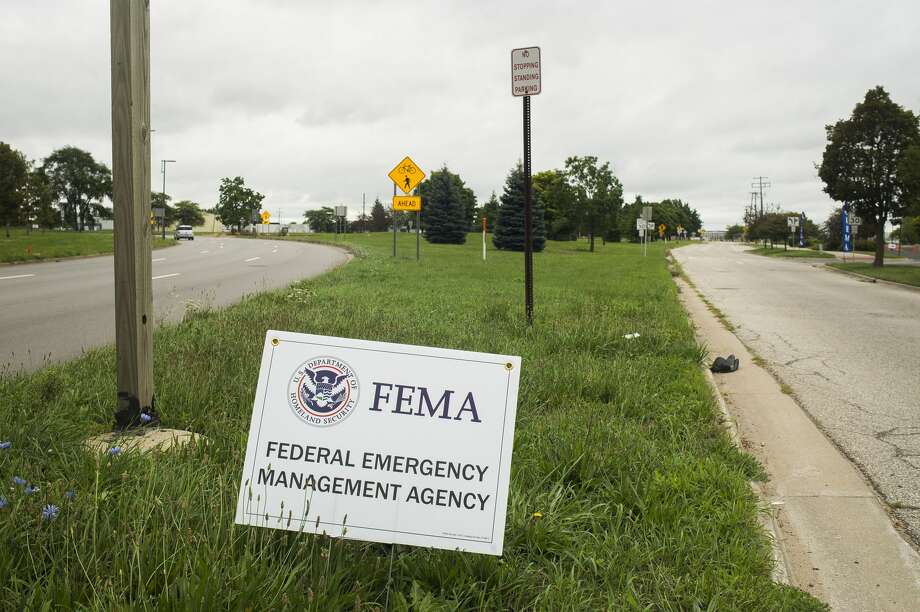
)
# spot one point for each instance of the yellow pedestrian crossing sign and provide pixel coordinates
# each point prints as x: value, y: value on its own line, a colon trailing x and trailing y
x: 407, y: 175
x: 266, y: 216
x: 410, y: 203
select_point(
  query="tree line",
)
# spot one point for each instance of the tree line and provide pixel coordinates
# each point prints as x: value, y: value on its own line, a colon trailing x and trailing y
x: 69, y: 189
x: 584, y: 198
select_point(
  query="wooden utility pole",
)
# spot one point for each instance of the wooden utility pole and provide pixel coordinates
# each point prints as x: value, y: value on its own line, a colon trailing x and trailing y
x: 130, y: 30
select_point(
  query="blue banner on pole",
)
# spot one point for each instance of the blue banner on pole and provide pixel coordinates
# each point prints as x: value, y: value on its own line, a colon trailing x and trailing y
x: 847, y: 239
x: 801, y: 230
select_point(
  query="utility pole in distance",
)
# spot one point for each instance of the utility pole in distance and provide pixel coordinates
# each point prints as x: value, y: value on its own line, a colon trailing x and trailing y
x: 163, y: 163
x: 761, y: 184
x: 130, y: 46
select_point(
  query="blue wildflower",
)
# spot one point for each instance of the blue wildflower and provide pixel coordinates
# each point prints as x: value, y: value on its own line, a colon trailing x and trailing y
x: 146, y: 418
x: 3, y: 503
x: 50, y: 512
x: 31, y: 489
x: 115, y: 450
x: 19, y: 481
x: 70, y: 495
x: 5, y: 445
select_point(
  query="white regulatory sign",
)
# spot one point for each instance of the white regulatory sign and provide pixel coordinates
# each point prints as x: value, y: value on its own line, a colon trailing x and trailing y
x: 640, y: 224
x: 381, y: 442
x: 525, y: 71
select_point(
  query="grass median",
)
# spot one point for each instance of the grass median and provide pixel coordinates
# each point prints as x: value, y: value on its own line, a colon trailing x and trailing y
x: 643, y: 501
x: 40, y: 245
x: 795, y: 253
x: 902, y: 273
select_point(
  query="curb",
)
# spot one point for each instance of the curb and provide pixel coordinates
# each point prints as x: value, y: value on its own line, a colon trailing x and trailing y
x: 767, y: 516
x: 871, y: 279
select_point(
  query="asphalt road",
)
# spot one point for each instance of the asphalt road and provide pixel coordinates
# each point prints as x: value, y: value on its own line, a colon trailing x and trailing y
x: 847, y: 348
x: 53, y: 311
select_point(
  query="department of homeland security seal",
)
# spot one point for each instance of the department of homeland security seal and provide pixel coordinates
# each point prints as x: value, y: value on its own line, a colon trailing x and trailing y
x: 323, y: 391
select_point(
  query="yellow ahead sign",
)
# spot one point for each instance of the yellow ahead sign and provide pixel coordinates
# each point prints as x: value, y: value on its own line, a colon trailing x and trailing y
x: 266, y: 216
x: 407, y: 203
x: 407, y: 175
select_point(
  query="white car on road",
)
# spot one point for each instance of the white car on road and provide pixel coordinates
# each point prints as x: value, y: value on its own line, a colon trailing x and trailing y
x: 184, y: 231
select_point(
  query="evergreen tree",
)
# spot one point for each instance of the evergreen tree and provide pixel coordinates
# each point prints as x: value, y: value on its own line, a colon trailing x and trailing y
x: 509, y: 228
x: 444, y: 219
x: 489, y: 210
x: 380, y: 217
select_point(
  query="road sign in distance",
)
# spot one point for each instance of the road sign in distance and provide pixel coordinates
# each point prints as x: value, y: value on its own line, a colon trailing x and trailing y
x: 341, y: 211
x: 159, y: 212
x: 266, y: 216
x: 407, y: 175
x: 640, y: 224
x: 525, y: 71
x: 411, y: 203
x: 647, y: 213
x: 854, y: 220
x: 650, y: 225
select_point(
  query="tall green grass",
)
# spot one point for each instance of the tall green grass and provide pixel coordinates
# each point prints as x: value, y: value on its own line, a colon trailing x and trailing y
x: 643, y: 502
x: 53, y: 244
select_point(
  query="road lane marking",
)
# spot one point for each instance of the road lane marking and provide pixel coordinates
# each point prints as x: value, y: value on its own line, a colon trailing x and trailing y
x: 159, y: 259
x: 166, y: 276
x: 203, y: 252
x: 17, y: 276
x: 251, y: 259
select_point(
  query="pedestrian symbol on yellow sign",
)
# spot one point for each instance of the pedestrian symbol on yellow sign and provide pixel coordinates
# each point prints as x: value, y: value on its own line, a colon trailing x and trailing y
x: 265, y: 216
x: 407, y: 175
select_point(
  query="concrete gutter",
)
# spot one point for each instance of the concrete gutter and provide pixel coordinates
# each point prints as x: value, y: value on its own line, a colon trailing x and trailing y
x: 832, y: 535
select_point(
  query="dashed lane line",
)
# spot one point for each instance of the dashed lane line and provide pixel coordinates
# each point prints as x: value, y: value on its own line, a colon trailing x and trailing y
x: 251, y: 259
x: 158, y: 259
x: 166, y: 275
x: 16, y: 276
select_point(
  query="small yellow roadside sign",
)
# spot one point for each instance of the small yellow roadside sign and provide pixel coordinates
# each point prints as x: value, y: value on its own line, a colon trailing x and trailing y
x: 407, y: 175
x: 266, y: 216
x: 412, y: 203
x: 661, y: 228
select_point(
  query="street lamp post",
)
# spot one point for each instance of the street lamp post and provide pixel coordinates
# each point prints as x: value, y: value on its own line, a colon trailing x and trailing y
x: 163, y: 163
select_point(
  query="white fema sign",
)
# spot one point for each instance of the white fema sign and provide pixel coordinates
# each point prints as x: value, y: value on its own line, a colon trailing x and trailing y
x: 381, y: 442
x: 341, y: 211
x: 525, y: 71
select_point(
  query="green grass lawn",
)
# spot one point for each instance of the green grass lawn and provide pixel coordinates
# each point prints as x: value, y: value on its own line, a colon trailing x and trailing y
x: 780, y: 252
x: 48, y: 244
x: 908, y: 275
x: 645, y: 503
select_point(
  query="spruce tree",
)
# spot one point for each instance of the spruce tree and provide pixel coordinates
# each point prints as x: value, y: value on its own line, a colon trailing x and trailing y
x: 509, y: 228
x: 443, y: 213
x: 380, y: 217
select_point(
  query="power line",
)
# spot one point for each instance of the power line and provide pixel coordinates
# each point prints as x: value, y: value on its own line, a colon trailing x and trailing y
x: 761, y: 184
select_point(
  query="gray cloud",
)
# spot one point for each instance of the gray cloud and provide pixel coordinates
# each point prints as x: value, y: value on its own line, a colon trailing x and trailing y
x: 314, y: 102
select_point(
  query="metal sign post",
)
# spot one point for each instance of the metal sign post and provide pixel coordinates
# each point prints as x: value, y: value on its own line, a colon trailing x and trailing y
x: 526, y: 78
x: 407, y: 176
x: 483, y: 238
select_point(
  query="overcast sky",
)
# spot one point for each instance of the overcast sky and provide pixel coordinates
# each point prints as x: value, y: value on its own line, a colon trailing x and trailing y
x: 314, y: 102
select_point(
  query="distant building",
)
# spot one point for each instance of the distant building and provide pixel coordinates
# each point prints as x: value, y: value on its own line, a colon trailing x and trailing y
x: 714, y: 234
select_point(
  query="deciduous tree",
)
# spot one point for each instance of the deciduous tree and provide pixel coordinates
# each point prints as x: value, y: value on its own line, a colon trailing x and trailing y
x: 14, y: 174
x: 78, y: 183
x: 598, y: 193
x: 865, y: 160
x: 186, y: 212
x: 237, y: 203
x: 321, y: 220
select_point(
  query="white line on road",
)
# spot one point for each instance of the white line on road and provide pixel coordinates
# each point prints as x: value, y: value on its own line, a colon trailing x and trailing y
x: 17, y: 276
x: 166, y: 275
x: 251, y: 259
x: 203, y: 252
x: 159, y: 259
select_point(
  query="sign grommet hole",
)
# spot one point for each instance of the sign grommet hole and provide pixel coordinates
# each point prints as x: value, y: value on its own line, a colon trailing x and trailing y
x: 275, y: 342
x: 509, y: 366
